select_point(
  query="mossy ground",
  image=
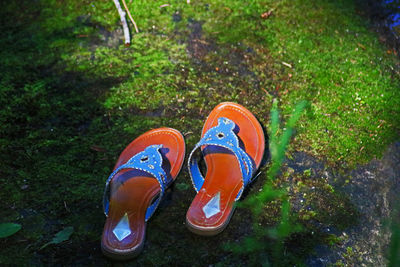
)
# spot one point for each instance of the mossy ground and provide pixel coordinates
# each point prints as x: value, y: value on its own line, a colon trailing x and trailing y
x: 73, y: 97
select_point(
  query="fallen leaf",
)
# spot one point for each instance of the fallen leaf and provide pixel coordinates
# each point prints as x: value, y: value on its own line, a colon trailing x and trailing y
x: 8, y: 229
x: 362, y: 46
x: 61, y: 236
x: 266, y: 15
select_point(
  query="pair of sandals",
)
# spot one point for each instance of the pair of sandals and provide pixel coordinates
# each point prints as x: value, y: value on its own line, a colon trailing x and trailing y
x: 232, y: 145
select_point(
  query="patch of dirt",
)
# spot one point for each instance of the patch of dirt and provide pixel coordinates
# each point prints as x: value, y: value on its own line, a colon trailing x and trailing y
x: 231, y: 61
x: 373, y: 189
x: 220, y: 72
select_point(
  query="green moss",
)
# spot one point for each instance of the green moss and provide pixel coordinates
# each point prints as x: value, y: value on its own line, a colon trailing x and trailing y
x: 334, y: 62
x: 73, y: 97
x: 347, y: 76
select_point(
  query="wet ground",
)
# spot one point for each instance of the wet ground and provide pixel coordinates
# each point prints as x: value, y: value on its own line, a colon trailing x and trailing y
x: 373, y: 189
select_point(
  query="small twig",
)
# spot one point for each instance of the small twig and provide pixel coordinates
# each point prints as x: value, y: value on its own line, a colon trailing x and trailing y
x: 65, y: 205
x: 130, y: 16
x: 187, y: 133
x: 123, y: 21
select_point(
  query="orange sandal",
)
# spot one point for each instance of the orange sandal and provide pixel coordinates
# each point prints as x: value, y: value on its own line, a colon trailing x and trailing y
x: 146, y: 167
x: 233, y: 145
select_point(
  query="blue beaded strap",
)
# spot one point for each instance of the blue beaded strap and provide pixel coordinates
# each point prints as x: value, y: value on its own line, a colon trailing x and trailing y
x: 150, y: 161
x: 222, y: 135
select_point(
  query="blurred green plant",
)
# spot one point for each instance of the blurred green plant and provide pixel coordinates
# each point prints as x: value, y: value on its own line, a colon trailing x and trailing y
x: 287, y: 225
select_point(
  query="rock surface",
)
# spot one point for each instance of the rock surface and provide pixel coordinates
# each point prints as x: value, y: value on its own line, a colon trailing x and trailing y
x: 374, y: 190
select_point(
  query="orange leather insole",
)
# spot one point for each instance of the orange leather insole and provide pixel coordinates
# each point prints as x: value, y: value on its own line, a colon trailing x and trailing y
x: 133, y: 198
x: 223, y: 176
x: 132, y: 191
x: 223, y: 170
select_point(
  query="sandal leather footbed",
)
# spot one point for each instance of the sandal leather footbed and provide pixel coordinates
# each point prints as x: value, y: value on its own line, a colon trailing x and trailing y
x: 132, y: 191
x: 223, y: 171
